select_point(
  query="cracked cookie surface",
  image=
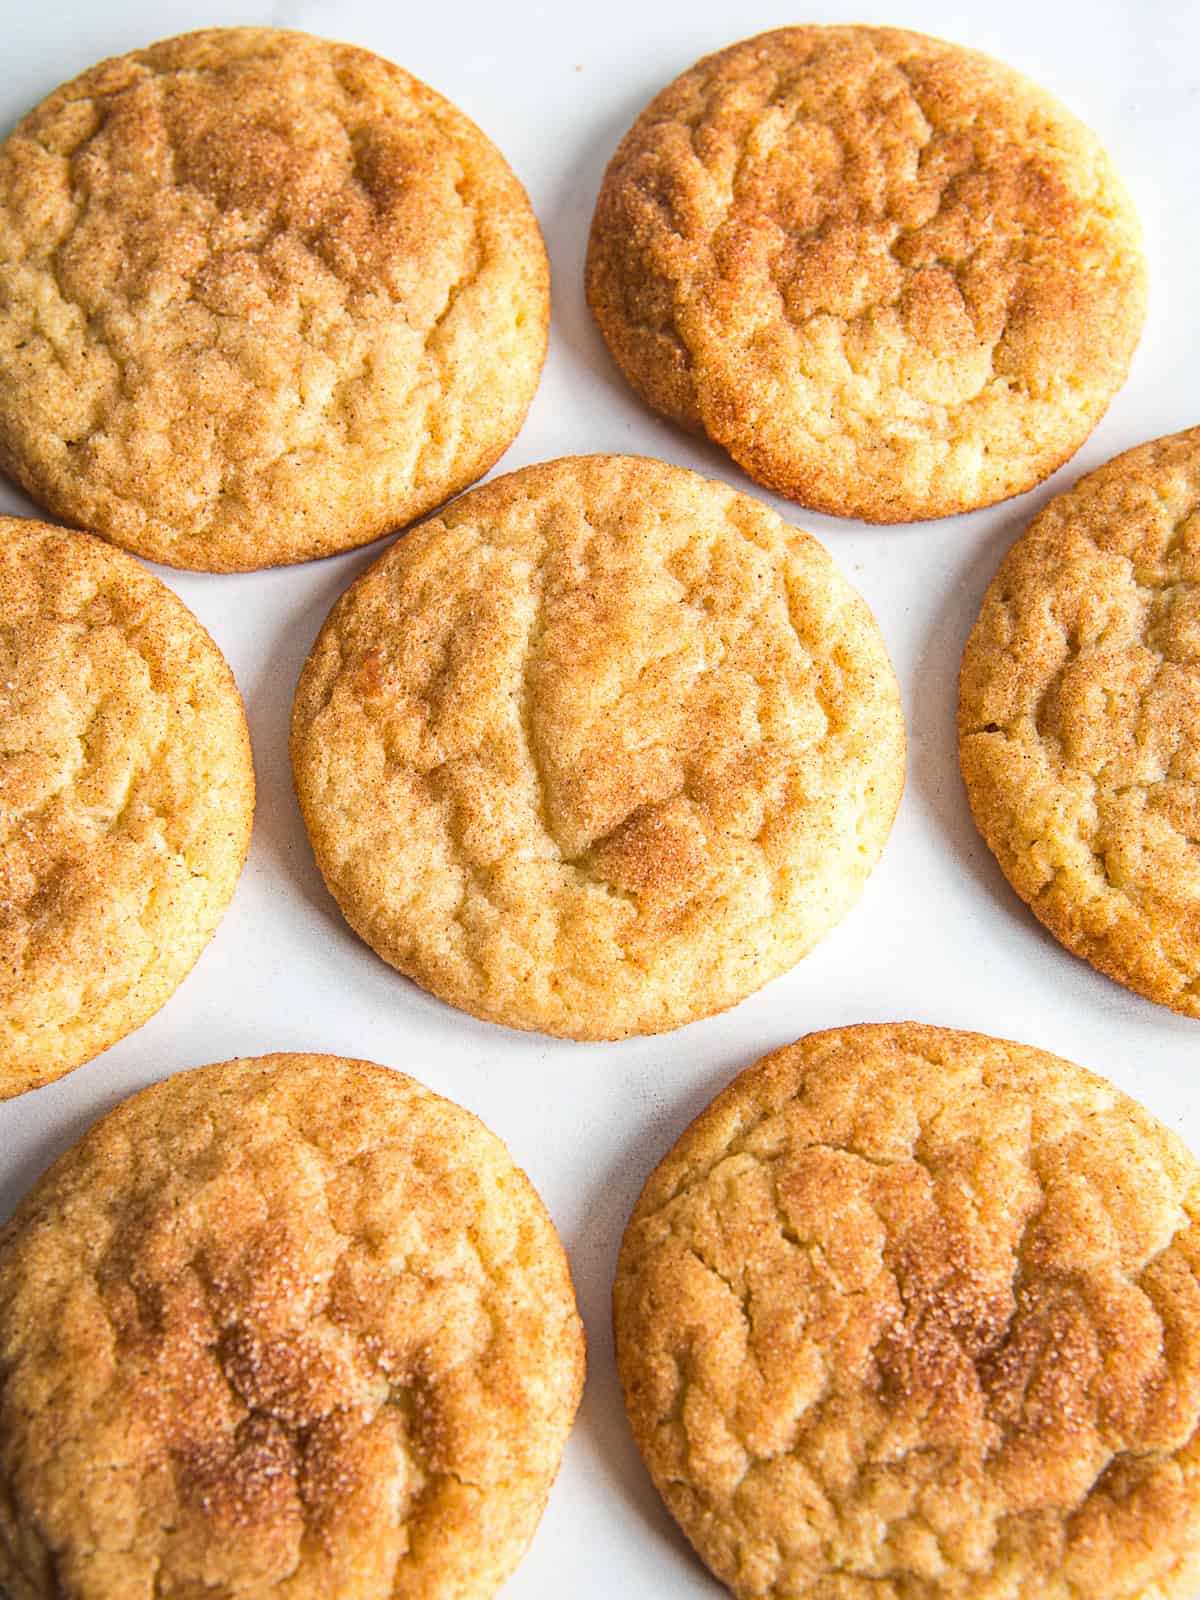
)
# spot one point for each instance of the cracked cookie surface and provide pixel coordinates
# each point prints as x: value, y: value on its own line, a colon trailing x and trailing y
x: 893, y: 278
x: 292, y: 1326
x: 1079, y: 719
x: 599, y: 751
x: 262, y: 297
x: 913, y: 1314
x: 126, y: 797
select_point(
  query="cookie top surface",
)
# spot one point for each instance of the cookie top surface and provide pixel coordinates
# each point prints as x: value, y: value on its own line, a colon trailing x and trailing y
x: 1079, y: 719
x: 292, y: 1326
x: 911, y: 1312
x: 126, y: 797
x: 892, y: 277
x: 262, y: 297
x: 599, y: 751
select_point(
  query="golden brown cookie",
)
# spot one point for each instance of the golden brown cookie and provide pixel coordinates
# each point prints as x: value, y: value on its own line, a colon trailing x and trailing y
x: 262, y: 297
x: 916, y: 1313
x: 126, y: 797
x: 289, y: 1327
x: 599, y: 751
x: 1079, y: 719
x: 893, y: 278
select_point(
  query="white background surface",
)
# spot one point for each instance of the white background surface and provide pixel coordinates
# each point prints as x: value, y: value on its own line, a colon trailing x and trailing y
x: 938, y: 936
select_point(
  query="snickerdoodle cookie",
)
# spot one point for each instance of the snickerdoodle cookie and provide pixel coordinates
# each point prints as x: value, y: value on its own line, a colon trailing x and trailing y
x: 287, y: 1327
x: 262, y: 297
x: 892, y: 277
x: 600, y: 750
x: 912, y: 1312
x: 126, y: 797
x: 1079, y: 719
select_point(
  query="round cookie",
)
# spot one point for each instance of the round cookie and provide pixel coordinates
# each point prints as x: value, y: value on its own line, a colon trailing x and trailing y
x: 599, y: 751
x: 892, y: 277
x: 126, y: 797
x: 262, y: 298
x: 1079, y: 719
x: 289, y: 1327
x: 912, y: 1312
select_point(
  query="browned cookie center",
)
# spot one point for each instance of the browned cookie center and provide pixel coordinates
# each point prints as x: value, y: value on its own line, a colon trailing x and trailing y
x: 126, y: 796
x: 916, y: 1312
x: 262, y: 297
x: 1079, y: 719
x: 293, y: 1326
x: 600, y: 751
x: 892, y: 277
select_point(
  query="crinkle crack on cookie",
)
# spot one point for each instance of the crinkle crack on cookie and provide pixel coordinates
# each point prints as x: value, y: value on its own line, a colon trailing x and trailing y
x: 600, y: 750
x: 912, y: 1314
x: 893, y: 278
x: 1079, y: 719
x: 287, y: 1327
x: 126, y: 797
x: 262, y: 297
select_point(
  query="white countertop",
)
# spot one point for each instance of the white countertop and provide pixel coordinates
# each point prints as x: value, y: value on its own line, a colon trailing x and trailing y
x: 938, y: 936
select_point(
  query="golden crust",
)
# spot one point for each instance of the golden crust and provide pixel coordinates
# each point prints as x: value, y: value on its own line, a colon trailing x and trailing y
x: 892, y: 277
x: 262, y: 298
x: 126, y: 797
x: 292, y: 1326
x: 916, y: 1313
x: 600, y: 751
x: 1079, y: 719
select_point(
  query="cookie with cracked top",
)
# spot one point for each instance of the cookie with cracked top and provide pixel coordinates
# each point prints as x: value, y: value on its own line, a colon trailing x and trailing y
x: 599, y: 751
x: 262, y: 297
x: 292, y: 1326
x: 126, y: 797
x: 909, y: 1311
x: 1079, y: 719
x: 892, y: 277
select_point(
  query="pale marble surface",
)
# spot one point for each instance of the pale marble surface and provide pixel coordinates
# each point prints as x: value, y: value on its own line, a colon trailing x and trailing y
x: 938, y: 936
